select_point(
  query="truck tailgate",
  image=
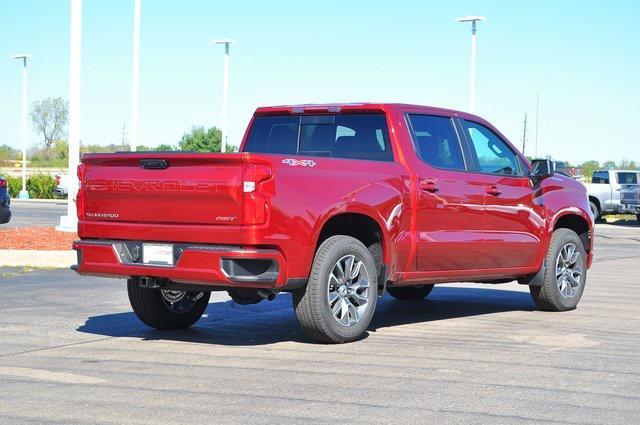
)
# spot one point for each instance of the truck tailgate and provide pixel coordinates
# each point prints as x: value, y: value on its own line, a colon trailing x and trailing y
x: 162, y: 188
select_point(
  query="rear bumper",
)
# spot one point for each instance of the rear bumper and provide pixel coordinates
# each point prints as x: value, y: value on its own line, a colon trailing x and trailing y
x: 212, y: 265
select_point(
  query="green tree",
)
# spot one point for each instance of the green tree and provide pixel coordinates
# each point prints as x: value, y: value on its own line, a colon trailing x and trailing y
x: 7, y: 153
x: 609, y: 164
x: 165, y: 147
x: 60, y: 150
x: 588, y: 168
x: 49, y: 117
x: 201, y: 140
x: 627, y: 165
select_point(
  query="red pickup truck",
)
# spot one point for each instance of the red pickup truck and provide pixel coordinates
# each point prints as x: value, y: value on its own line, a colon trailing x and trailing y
x: 336, y: 204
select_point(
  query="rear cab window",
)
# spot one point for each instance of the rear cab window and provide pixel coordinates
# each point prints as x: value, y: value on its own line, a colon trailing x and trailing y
x: 354, y: 136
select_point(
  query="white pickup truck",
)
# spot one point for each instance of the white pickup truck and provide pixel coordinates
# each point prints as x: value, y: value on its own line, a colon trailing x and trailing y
x: 614, y: 192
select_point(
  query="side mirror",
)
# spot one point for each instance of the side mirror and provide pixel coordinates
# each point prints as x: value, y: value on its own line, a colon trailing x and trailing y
x: 541, y: 169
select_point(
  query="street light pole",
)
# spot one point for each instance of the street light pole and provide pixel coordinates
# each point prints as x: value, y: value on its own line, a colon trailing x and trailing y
x: 135, y: 75
x: 472, y: 77
x: 537, y: 116
x: 25, y: 105
x: 69, y: 222
x: 225, y: 92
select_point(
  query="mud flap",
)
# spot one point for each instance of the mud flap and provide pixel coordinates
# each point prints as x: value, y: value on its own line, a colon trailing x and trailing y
x: 535, y: 279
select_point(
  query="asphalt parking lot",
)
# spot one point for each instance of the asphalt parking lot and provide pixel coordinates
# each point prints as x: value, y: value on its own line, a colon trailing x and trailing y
x: 72, y: 351
x: 27, y: 214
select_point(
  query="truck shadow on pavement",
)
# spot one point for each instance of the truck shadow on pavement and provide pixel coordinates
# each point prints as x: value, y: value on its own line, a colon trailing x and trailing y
x: 623, y: 223
x: 227, y: 323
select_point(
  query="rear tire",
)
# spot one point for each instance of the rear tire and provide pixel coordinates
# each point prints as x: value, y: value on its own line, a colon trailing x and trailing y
x: 338, y: 302
x: 162, y: 309
x: 410, y: 293
x: 638, y: 218
x: 565, y: 275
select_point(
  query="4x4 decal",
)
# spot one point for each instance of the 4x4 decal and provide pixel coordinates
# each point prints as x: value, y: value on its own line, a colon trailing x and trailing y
x: 299, y: 162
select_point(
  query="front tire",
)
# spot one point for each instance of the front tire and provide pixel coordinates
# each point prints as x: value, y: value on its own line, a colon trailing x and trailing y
x: 638, y: 218
x: 167, y: 309
x: 338, y: 302
x: 565, y: 275
x: 410, y: 293
x: 594, y: 210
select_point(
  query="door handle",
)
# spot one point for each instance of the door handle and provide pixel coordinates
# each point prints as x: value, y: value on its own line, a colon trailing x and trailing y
x: 429, y: 185
x: 493, y: 190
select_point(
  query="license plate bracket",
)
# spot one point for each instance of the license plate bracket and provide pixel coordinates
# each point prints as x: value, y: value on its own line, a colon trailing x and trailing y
x: 157, y: 254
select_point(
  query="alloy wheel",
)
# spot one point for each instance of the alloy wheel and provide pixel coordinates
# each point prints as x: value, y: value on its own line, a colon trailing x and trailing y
x: 569, y: 270
x: 348, y: 290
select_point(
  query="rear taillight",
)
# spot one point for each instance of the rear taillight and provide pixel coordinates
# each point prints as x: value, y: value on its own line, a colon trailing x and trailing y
x: 255, y: 203
x: 57, y: 180
x: 80, y: 172
x: 3, y: 183
x: 80, y: 195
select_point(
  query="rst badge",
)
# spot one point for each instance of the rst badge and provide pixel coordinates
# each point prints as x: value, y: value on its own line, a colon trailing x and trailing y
x: 299, y: 162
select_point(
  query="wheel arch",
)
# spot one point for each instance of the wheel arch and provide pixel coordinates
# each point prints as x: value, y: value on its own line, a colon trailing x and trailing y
x: 577, y: 220
x: 367, y: 227
x: 359, y: 224
x: 596, y: 201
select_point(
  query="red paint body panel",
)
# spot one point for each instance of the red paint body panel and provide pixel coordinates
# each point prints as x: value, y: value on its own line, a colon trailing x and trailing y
x: 459, y: 232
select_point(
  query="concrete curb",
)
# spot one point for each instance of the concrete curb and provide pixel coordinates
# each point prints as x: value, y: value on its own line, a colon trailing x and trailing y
x: 37, y: 258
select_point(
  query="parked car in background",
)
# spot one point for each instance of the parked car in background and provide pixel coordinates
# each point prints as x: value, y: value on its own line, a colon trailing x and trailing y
x: 605, y: 191
x: 62, y: 187
x: 336, y: 204
x: 5, y: 201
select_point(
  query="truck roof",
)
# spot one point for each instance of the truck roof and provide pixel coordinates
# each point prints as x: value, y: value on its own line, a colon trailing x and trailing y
x: 358, y: 106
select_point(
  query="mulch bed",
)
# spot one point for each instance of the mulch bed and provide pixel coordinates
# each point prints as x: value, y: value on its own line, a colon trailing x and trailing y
x: 45, y: 238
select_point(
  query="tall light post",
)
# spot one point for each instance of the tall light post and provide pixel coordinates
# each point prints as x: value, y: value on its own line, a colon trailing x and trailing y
x: 472, y: 78
x: 69, y: 222
x: 225, y: 92
x: 135, y: 74
x: 25, y: 105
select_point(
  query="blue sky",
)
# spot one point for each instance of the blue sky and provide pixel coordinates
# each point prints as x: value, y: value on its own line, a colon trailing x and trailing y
x: 582, y: 56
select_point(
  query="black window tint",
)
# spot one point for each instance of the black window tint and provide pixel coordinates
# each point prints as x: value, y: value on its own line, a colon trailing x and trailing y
x: 278, y: 134
x: 601, y: 177
x: 628, y: 178
x: 317, y: 134
x: 341, y: 136
x: 362, y: 137
x: 494, y: 156
x: 436, y: 141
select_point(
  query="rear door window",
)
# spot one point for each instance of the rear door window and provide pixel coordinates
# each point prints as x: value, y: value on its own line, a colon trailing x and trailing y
x: 600, y: 177
x: 356, y: 136
x: 436, y: 141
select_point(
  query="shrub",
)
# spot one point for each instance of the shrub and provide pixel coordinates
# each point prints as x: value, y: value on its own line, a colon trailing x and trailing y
x: 15, y: 185
x: 41, y: 186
